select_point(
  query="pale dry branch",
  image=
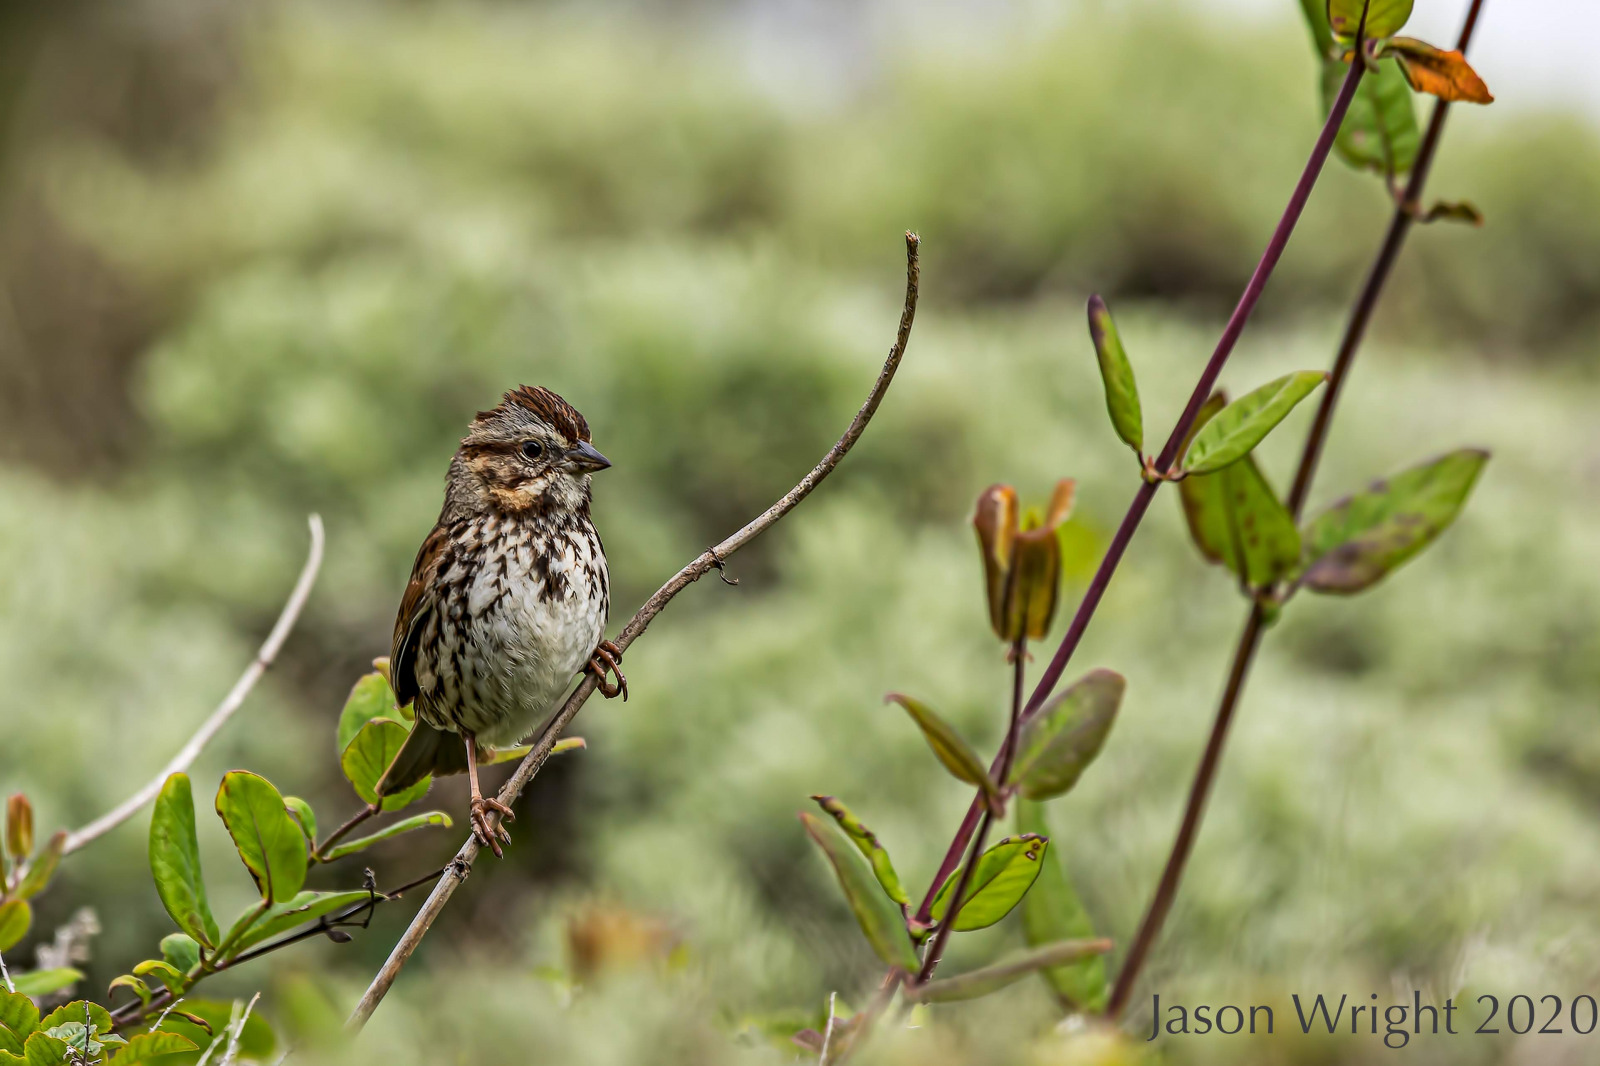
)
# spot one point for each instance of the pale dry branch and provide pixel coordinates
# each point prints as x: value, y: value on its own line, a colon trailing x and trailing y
x: 711, y: 559
x: 225, y: 710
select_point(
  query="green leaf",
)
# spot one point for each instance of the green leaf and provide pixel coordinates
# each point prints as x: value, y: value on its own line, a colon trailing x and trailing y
x: 175, y: 861
x: 881, y: 921
x: 149, y: 1046
x: 1380, y: 130
x: 46, y: 982
x: 1059, y: 742
x: 560, y: 747
x: 180, y: 950
x: 1245, y: 423
x: 253, y: 926
x: 269, y: 841
x: 993, y: 978
x: 42, y: 868
x: 10, y: 1045
x: 371, y: 698
x: 133, y: 984
x: 17, y: 1012
x: 256, y: 1042
x: 1316, y: 13
x: 369, y: 755
x: 1116, y: 373
x: 1052, y: 912
x: 1356, y: 542
x: 956, y: 754
x: 16, y: 916
x: 405, y: 825
x: 867, y: 843
x: 1385, y: 18
x: 169, y: 976
x: 81, y: 1011
x: 1005, y: 873
x: 302, y: 813
x: 42, y: 1049
x: 1236, y: 518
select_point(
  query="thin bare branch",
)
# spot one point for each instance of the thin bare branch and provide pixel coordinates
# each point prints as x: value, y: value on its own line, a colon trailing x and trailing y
x: 707, y: 561
x: 225, y: 710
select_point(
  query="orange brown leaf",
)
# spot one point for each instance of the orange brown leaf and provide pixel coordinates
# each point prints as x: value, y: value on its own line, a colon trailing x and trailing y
x: 1437, y: 72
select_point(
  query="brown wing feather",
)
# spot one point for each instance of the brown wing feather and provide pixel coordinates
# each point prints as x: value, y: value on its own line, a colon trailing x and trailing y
x: 415, y: 607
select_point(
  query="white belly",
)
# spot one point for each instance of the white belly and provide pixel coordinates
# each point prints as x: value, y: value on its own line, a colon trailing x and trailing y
x: 515, y: 640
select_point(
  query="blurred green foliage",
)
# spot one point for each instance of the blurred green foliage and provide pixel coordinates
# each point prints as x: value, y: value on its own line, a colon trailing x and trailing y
x: 384, y: 215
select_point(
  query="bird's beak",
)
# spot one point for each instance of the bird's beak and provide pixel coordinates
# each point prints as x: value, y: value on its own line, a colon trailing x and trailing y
x: 585, y: 457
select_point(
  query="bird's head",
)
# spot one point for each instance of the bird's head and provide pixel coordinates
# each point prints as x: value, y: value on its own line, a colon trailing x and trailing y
x: 529, y: 454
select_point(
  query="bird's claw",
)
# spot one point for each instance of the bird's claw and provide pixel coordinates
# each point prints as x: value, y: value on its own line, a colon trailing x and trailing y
x: 607, y: 658
x: 489, y: 835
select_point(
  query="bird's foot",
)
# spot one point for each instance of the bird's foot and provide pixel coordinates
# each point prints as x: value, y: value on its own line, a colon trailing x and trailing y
x: 607, y: 658
x: 489, y: 835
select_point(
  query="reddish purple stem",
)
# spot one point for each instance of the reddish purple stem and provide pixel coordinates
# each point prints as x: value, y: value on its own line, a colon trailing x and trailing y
x: 1169, y: 453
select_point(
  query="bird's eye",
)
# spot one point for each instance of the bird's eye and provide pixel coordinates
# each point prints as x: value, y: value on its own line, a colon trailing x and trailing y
x: 531, y: 449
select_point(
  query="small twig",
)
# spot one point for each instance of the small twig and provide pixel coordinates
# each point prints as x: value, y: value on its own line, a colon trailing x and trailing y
x: 344, y: 830
x: 703, y: 564
x: 1405, y: 215
x: 232, y: 1054
x: 225, y: 710
x: 170, y: 1008
x: 5, y: 975
x: 827, y: 1032
x: 357, y: 915
x: 722, y: 568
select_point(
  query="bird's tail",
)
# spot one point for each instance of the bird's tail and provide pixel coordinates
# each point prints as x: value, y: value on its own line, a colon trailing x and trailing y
x: 426, y: 751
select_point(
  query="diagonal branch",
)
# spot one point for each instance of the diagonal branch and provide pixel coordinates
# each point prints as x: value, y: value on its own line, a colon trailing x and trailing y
x: 1405, y: 214
x: 708, y: 561
x: 225, y: 710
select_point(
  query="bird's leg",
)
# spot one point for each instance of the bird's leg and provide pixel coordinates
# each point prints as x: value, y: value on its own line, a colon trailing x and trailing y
x: 481, y: 807
x: 607, y: 658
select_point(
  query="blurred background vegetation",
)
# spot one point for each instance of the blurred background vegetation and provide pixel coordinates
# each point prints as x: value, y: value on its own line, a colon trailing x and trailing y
x: 261, y: 260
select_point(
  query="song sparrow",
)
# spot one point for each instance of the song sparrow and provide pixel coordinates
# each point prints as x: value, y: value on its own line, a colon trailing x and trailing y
x: 508, y: 596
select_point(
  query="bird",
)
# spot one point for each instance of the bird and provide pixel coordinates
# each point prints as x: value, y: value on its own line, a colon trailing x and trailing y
x: 508, y: 597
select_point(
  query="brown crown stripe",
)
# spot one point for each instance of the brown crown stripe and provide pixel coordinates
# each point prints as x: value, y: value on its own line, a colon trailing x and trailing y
x: 545, y: 405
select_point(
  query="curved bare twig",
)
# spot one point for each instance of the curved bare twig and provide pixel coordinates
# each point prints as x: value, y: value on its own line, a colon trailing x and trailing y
x: 225, y: 710
x: 709, y: 560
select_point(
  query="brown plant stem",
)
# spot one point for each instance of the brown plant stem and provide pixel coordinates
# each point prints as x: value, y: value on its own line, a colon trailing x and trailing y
x: 369, y: 811
x: 224, y: 711
x: 1169, y: 452
x: 711, y: 559
x: 357, y: 914
x: 1400, y: 223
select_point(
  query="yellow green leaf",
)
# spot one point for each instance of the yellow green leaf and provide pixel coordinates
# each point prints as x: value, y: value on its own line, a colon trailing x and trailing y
x: 175, y: 861
x: 881, y: 921
x: 953, y: 752
x: 1116, y: 374
x: 269, y: 842
x: 1003, y: 876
